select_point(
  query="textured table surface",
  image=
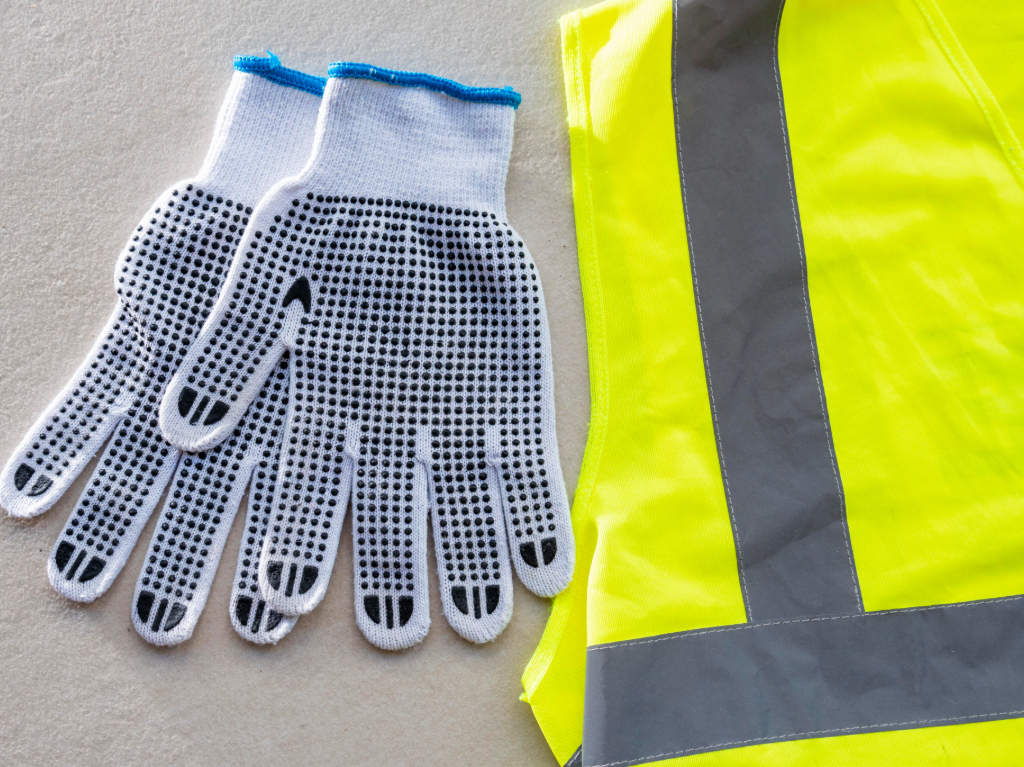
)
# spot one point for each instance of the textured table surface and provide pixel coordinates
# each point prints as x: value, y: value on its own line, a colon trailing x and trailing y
x: 102, y: 106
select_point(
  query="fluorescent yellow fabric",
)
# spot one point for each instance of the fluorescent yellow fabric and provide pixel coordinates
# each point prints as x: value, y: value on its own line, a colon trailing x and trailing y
x: 650, y: 513
x: 985, y: 744
x: 903, y: 117
x: 652, y: 485
x: 990, y: 36
x: 913, y: 219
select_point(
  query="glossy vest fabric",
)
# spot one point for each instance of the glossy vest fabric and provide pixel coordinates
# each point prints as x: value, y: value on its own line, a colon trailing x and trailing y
x: 799, y: 519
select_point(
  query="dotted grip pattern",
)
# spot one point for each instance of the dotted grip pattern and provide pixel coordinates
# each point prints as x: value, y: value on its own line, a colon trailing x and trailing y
x: 193, y: 526
x: 421, y: 382
x: 167, y: 280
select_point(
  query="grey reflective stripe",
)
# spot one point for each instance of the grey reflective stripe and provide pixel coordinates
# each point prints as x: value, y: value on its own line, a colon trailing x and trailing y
x: 746, y: 250
x: 576, y: 760
x: 814, y: 664
x: 707, y: 690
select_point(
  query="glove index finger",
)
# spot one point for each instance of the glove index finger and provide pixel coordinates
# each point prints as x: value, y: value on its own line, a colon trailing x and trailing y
x: 265, y: 299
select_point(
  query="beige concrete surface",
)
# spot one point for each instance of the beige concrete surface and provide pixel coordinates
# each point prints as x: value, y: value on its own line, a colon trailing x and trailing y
x: 103, y: 104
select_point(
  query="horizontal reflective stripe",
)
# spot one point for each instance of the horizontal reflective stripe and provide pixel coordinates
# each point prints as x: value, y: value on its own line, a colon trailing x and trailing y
x: 713, y: 689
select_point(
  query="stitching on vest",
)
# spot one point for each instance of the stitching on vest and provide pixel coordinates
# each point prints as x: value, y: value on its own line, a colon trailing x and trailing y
x: 975, y: 84
x: 807, y: 313
x: 819, y: 619
x: 700, y: 323
x: 813, y: 733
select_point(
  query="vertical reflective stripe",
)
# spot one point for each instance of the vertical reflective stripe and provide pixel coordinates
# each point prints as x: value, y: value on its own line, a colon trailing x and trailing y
x: 749, y: 276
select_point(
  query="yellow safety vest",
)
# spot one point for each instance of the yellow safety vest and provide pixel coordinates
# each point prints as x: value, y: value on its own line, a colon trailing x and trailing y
x: 800, y: 518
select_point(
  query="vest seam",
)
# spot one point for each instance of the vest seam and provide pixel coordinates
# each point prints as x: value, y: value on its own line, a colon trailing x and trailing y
x: 961, y: 63
x: 813, y: 619
x: 594, y: 311
x: 575, y: 86
x: 590, y: 281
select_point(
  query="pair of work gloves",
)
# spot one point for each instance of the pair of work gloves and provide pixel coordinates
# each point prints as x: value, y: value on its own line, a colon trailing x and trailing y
x: 333, y: 310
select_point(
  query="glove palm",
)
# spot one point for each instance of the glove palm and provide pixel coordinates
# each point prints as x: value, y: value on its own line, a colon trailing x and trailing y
x: 421, y: 368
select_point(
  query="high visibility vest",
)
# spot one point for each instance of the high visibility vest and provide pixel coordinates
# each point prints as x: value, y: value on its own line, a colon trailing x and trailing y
x: 800, y: 518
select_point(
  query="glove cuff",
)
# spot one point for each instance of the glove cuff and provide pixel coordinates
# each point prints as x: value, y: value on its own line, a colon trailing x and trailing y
x: 413, y: 137
x: 265, y: 128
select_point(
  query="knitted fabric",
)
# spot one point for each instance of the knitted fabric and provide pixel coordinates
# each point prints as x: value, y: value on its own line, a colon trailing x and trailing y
x: 421, y: 367
x: 167, y: 279
x: 194, y: 523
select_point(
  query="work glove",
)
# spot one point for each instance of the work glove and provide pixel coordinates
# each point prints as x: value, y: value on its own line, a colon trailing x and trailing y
x: 167, y: 279
x: 193, y: 527
x: 421, y: 376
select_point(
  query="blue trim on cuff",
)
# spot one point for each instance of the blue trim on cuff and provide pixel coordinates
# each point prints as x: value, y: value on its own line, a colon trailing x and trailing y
x: 270, y: 68
x: 505, y: 96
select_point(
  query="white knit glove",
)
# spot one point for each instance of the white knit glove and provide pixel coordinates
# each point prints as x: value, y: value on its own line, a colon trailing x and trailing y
x: 167, y: 279
x: 421, y: 363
